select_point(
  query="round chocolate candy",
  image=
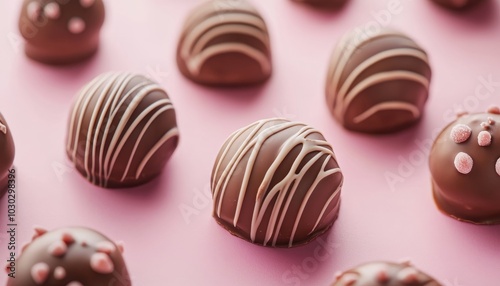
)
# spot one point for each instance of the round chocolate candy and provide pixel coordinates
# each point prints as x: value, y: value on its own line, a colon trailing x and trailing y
x: 225, y: 43
x: 377, y: 83
x: 465, y: 168
x: 61, y: 31
x: 7, y: 152
x: 70, y: 257
x: 384, y: 274
x: 122, y: 130
x: 457, y: 4
x: 276, y: 183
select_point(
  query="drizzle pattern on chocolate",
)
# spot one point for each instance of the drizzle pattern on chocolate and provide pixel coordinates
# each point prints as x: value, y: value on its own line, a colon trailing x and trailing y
x: 283, y: 191
x: 116, y: 111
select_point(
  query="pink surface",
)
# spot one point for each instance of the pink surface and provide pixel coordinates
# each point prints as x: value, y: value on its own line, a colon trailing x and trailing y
x: 378, y: 219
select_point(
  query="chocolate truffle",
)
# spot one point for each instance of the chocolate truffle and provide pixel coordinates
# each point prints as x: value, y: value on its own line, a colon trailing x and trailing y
x: 377, y: 83
x: 122, y: 130
x: 225, y: 43
x: 384, y: 274
x: 7, y: 152
x: 276, y: 183
x: 323, y: 3
x: 457, y: 4
x: 61, y: 31
x: 465, y: 168
x: 70, y: 257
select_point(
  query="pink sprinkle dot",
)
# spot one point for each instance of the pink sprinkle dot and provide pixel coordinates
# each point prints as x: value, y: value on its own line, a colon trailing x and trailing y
x: 74, y: 283
x: 68, y: 238
x: 494, y: 110
x: 463, y: 163
x: 497, y: 166
x: 52, y: 10
x: 460, y: 133
x: 76, y: 25
x: 59, y: 273
x: 101, y: 263
x: 484, y: 138
x: 33, y: 10
x: 40, y: 272
x: 58, y: 248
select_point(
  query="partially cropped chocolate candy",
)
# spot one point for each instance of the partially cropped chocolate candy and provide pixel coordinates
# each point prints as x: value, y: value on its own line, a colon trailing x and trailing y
x: 377, y: 83
x: 70, y: 257
x: 465, y: 168
x: 122, y: 130
x: 61, y: 31
x: 323, y: 3
x: 276, y: 183
x: 384, y: 274
x: 457, y: 4
x: 225, y: 43
x: 7, y: 152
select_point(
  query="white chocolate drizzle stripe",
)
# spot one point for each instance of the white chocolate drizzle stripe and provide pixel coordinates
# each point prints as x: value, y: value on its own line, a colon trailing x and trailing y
x: 174, y: 132
x: 195, y: 64
x: 120, y: 79
x: 215, y: 21
x: 120, y: 86
x: 344, y: 55
x: 225, y: 30
x: 403, y: 52
x: 124, y: 119
x: 392, y: 105
x: 381, y: 78
x: 133, y: 126
x: 139, y: 138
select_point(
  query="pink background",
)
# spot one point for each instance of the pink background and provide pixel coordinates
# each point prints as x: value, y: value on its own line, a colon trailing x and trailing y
x: 378, y: 220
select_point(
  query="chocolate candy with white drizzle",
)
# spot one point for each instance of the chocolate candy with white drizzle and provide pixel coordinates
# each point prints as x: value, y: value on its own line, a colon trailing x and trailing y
x: 122, y: 130
x: 225, y: 43
x: 276, y: 183
x: 377, y: 83
x: 72, y: 256
x: 384, y: 274
x: 465, y: 168
x: 7, y: 153
x: 61, y: 31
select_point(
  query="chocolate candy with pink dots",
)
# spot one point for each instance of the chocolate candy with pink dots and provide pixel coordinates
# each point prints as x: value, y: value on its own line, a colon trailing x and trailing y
x: 384, y: 274
x: 70, y: 257
x: 61, y: 31
x: 7, y: 151
x: 465, y: 168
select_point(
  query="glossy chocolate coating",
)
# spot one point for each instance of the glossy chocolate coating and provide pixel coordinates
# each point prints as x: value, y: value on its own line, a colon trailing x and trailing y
x: 71, y: 256
x: 7, y: 153
x: 466, y: 175
x: 61, y: 31
x: 457, y: 4
x: 122, y: 130
x: 384, y: 274
x: 276, y: 183
x: 377, y: 83
x: 324, y: 3
x: 225, y: 43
